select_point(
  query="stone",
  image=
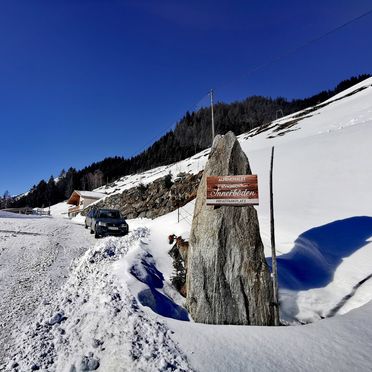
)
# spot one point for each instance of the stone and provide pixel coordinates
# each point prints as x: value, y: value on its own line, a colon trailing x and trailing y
x: 153, y: 200
x: 228, y: 279
x: 89, y: 363
x: 178, y: 277
x: 57, y: 318
x: 97, y: 343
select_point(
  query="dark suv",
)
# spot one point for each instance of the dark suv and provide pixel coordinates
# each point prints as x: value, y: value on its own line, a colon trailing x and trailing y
x: 104, y: 222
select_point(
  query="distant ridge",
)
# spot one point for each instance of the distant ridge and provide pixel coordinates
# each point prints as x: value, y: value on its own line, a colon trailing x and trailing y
x: 191, y: 135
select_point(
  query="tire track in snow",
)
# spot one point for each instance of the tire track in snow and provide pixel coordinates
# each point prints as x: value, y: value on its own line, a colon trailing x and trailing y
x: 99, y: 322
x: 33, y: 265
x: 22, y: 232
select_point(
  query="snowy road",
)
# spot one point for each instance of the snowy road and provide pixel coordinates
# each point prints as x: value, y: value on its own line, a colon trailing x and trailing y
x: 35, y: 254
x: 61, y: 314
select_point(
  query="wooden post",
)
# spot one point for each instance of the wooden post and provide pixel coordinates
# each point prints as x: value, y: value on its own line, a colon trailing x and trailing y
x: 212, y: 114
x: 273, y: 252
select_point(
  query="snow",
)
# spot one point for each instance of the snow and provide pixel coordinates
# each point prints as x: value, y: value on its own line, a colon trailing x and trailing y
x: 321, y: 176
x: 94, y: 317
x: 59, y: 210
x: 337, y: 344
x: 115, y: 309
x: 90, y: 194
x: 4, y: 214
x: 35, y: 253
x: 191, y: 165
x: 361, y: 85
x: 78, y: 219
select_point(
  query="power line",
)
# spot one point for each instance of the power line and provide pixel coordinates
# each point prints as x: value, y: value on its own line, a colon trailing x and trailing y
x: 185, y: 210
x: 259, y: 67
x: 296, y: 49
x: 185, y: 218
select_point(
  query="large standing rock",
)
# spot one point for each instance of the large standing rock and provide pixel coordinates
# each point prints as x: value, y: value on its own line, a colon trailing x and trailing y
x: 228, y: 280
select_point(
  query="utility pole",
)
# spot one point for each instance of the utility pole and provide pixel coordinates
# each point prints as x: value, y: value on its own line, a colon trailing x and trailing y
x: 280, y: 111
x: 211, y: 94
x: 178, y: 207
x: 273, y: 252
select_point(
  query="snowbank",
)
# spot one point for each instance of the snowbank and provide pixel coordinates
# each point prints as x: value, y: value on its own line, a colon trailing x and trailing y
x: 95, y: 321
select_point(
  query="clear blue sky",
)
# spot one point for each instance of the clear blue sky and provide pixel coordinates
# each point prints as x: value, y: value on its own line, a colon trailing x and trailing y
x: 81, y: 80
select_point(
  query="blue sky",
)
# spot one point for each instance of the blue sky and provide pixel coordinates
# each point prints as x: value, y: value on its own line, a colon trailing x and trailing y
x: 81, y: 80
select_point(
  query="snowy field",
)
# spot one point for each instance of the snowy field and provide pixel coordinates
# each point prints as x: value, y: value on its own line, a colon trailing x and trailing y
x: 35, y: 254
x: 115, y: 309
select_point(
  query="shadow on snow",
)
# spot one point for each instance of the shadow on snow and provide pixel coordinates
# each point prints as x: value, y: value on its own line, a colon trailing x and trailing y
x: 310, y: 264
x: 146, y: 272
x: 318, y: 252
x: 161, y: 304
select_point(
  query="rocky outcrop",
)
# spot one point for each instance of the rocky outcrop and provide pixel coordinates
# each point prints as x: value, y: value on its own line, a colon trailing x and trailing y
x: 178, y: 277
x: 228, y: 280
x: 155, y: 199
x: 179, y: 253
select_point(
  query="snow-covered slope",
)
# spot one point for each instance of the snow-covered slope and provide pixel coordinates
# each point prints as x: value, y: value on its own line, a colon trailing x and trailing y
x: 322, y: 177
x: 35, y: 254
x: 323, y: 202
x: 118, y: 310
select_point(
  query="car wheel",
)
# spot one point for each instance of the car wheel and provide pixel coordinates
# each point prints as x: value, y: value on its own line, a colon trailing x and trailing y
x: 86, y: 226
x: 91, y: 231
x: 96, y: 235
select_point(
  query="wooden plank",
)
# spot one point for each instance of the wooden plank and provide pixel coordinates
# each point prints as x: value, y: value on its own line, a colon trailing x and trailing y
x: 237, y: 190
x: 251, y: 178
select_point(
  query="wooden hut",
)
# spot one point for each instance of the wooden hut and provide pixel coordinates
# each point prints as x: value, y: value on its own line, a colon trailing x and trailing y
x: 81, y: 199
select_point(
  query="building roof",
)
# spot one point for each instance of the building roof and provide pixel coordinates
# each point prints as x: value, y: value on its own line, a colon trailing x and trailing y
x: 90, y: 194
x: 77, y: 194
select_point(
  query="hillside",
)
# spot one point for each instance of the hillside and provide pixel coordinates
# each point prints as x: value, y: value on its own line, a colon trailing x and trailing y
x: 191, y: 135
x: 118, y: 310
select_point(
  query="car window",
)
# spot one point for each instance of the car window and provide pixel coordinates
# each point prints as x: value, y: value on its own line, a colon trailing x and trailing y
x: 109, y: 214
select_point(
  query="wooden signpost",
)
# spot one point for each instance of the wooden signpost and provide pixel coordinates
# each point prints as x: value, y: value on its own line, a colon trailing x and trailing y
x: 273, y: 249
x: 241, y: 191
x: 232, y: 190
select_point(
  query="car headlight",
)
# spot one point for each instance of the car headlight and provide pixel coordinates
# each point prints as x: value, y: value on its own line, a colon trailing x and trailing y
x: 100, y: 223
x: 123, y: 225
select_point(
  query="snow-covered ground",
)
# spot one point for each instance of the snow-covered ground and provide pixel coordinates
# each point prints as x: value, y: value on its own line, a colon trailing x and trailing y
x: 35, y: 254
x: 117, y: 310
x: 59, y: 210
x: 190, y: 165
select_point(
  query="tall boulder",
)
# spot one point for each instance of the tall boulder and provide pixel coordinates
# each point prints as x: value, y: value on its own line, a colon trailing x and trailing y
x: 228, y: 279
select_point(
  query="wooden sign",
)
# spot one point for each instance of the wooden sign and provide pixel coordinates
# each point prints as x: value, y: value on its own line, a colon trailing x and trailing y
x: 232, y: 190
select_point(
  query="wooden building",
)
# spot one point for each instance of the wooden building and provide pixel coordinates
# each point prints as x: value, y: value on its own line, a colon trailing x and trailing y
x: 81, y: 199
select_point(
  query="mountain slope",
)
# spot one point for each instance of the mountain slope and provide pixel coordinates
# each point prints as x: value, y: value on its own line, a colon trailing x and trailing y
x: 191, y: 134
x: 122, y: 313
x: 322, y: 179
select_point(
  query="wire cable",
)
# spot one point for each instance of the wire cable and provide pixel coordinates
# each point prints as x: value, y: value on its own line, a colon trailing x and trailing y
x: 263, y: 65
x: 296, y: 49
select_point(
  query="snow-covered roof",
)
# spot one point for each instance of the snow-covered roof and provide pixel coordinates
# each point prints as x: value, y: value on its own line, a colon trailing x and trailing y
x: 90, y: 194
x: 77, y: 194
